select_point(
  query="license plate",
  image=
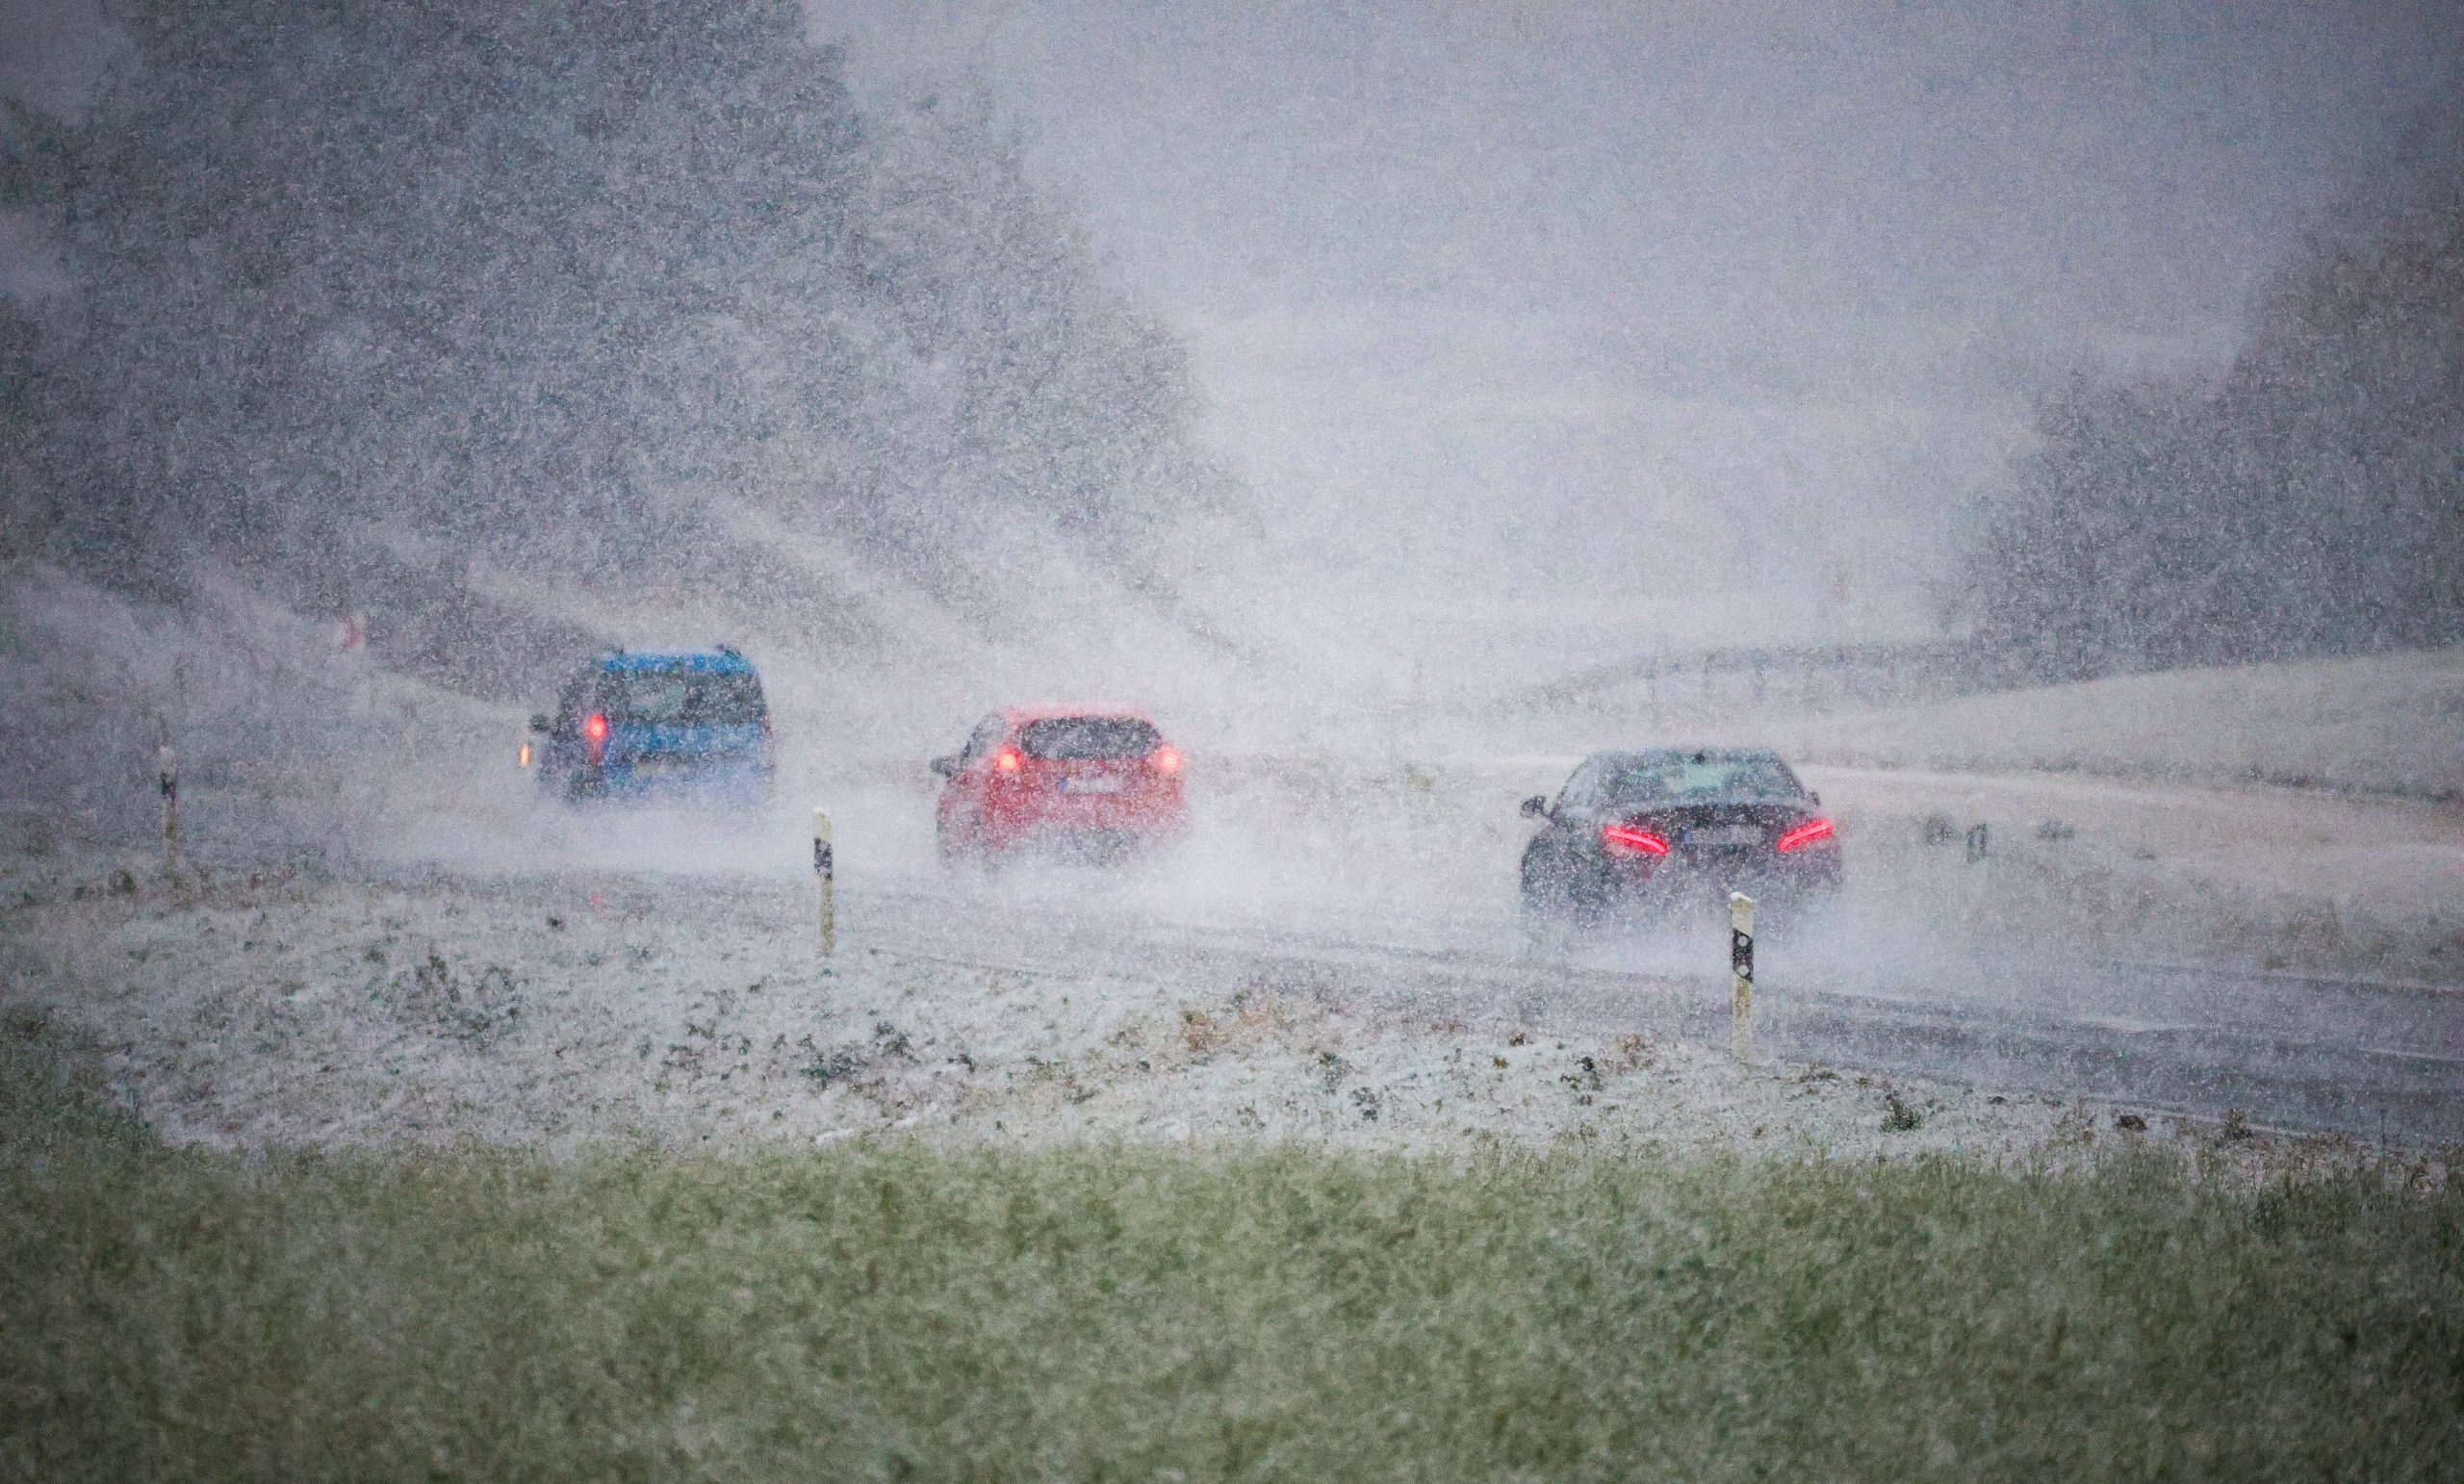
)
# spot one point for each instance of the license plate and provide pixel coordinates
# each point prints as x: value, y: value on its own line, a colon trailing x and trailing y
x: 1725, y: 834
x: 1091, y: 785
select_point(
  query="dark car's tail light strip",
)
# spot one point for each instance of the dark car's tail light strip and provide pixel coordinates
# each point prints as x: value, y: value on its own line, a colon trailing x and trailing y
x: 1632, y: 841
x: 1813, y: 831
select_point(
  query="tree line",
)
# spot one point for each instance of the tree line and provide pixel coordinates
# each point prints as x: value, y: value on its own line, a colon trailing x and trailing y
x: 368, y: 282
x: 2307, y: 500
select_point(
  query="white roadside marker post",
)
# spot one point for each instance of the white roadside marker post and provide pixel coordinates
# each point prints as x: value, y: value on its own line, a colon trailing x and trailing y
x: 824, y: 871
x: 1741, y: 977
x: 166, y: 777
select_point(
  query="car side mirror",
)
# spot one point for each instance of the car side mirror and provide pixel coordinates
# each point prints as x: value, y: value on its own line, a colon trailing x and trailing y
x: 539, y: 722
x: 946, y: 767
x: 1536, y: 807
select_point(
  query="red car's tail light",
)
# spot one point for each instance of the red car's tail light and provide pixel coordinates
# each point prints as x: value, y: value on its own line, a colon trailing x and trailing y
x: 1167, y: 759
x: 1812, y: 832
x: 1007, y: 761
x: 1632, y: 841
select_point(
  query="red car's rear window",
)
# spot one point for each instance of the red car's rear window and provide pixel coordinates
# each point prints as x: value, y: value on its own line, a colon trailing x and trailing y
x: 1088, y: 738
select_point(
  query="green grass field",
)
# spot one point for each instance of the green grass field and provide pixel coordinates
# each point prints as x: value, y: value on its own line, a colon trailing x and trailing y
x: 899, y: 1313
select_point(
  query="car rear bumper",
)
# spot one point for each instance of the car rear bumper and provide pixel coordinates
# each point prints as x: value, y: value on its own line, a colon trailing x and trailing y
x: 1686, y: 876
x: 679, y: 778
x: 1091, y: 820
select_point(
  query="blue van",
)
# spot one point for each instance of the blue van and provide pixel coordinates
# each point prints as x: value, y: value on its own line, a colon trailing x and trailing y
x: 633, y: 726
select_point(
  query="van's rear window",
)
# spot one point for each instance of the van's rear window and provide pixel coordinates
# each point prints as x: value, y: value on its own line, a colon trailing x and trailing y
x: 1071, y: 738
x: 681, y: 698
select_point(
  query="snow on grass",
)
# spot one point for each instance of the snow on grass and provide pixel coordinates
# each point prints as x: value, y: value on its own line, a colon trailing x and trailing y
x: 288, y: 1011
x: 2377, y: 724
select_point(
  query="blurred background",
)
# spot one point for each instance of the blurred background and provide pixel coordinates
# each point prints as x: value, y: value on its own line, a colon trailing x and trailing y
x: 1302, y: 372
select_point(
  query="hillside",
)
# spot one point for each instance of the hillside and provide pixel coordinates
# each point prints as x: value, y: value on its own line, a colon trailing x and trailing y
x: 447, y: 318
x: 2381, y: 723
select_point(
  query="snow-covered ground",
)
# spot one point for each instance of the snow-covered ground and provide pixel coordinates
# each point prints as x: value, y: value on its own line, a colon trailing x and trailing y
x: 283, y: 1009
x: 2377, y: 724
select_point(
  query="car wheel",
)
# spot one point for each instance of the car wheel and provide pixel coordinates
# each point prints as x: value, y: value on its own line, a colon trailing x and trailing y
x: 1547, y: 937
x: 1552, y: 919
x: 964, y: 849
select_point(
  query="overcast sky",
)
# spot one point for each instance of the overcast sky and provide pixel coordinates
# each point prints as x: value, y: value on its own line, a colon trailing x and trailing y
x: 1611, y: 279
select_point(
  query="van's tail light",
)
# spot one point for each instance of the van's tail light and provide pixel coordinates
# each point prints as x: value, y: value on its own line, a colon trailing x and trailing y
x: 1812, y: 831
x: 1007, y: 761
x: 594, y: 736
x: 1632, y: 842
x: 1166, y: 760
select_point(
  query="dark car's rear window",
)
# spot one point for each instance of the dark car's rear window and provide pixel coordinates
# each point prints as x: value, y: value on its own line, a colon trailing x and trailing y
x: 682, y: 697
x: 1680, y: 777
x: 1071, y: 738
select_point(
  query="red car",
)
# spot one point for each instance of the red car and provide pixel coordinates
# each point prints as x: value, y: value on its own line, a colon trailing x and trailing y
x: 1101, y: 783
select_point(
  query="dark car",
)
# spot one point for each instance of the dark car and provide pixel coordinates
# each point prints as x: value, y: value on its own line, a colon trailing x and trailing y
x: 1656, y: 829
x: 637, y: 725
